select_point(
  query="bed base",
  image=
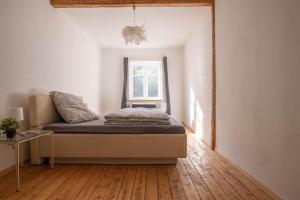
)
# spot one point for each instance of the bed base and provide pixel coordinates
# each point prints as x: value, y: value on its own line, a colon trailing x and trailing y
x: 111, y: 148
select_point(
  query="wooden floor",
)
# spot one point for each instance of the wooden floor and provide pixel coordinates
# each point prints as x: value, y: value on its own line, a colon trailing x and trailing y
x: 202, y: 175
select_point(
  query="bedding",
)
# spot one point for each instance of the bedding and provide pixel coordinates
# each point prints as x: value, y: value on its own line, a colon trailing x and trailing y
x: 137, y: 113
x: 99, y: 127
x: 72, y: 108
x: 137, y: 122
x: 136, y: 116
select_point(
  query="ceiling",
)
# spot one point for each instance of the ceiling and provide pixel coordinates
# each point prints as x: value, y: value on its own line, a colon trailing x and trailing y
x: 165, y: 27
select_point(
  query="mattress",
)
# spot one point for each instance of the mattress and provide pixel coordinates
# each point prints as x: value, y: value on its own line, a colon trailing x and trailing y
x: 99, y: 127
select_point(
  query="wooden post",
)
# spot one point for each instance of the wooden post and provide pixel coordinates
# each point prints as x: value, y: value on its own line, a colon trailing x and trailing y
x: 214, y: 79
x: 128, y: 3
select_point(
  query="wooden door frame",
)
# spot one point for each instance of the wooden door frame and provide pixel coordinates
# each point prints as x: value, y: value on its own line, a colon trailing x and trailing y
x: 213, y: 80
x: 160, y: 3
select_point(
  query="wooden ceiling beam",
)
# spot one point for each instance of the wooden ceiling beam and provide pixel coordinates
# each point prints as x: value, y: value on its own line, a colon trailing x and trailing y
x: 128, y: 3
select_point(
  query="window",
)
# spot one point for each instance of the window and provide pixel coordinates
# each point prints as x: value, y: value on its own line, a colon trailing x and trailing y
x: 145, y: 80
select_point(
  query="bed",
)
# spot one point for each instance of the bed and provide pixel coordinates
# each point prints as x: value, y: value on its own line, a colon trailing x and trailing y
x: 96, y: 142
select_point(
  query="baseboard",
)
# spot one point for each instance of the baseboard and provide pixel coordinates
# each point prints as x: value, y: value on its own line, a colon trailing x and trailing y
x: 254, y: 180
x: 7, y: 170
x: 193, y: 131
x: 10, y: 169
x: 205, y: 143
x: 188, y: 128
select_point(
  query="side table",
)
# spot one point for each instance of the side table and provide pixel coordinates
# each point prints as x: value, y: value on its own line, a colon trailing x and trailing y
x: 18, y: 139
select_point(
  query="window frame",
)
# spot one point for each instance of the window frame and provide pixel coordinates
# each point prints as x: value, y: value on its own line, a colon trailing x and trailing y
x: 144, y: 62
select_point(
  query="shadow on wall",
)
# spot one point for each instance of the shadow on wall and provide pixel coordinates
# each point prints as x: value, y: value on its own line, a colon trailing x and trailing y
x: 196, y: 115
x: 21, y: 100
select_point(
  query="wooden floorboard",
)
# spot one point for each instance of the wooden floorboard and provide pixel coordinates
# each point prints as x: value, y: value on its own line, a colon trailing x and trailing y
x: 151, y: 183
x: 175, y: 183
x: 164, y: 189
x: 128, y: 183
x: 209, y: 155
x: 139, y: 187
x: 204, y: 175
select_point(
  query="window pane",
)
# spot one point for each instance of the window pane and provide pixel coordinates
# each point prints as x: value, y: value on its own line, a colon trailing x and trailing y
x: 138, y: 86
x: 153, y: 86
x: 153, y: 70
x: 137, y: 70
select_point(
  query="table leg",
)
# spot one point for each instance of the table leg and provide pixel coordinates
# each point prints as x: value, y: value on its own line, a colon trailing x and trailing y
x: 52, y: 151
x: 17, y: 154
x: 21, y: 155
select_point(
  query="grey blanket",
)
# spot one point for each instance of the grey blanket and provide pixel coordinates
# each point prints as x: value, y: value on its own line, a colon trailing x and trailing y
x: 136, y: 123
x: 137, y: 116
x: 138, y: 113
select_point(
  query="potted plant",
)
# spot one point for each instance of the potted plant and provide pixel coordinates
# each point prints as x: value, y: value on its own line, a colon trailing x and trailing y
x: 10, y: 126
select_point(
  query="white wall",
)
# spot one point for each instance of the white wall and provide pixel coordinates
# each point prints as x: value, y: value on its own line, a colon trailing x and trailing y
x: 113, y: 76
x: 42, y: 50
x: 258, y: 98
x: 198, y: 65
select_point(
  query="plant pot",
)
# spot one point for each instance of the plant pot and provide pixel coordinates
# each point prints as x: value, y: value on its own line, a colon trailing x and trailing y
x: 10, y: 133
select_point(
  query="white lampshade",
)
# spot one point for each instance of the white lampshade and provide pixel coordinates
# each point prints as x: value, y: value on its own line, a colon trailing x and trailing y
x: 16, y: 112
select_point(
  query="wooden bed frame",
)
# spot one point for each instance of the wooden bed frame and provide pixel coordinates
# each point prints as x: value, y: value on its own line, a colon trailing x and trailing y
x: 100, y: 148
